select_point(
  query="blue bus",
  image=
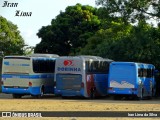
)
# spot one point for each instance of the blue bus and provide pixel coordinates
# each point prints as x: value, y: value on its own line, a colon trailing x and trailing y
x: 131, y: 79
x: 28, y: 75
x: 84, y: 76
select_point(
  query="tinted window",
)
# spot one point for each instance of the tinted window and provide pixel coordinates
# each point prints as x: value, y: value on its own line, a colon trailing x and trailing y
x: 140, y: 72
x: 145, y: 72
x: 43, y: 65
x: 97, y: 66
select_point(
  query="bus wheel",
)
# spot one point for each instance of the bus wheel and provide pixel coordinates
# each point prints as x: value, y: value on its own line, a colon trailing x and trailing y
x: 92, y: 96
x: 41, y: 92
x: 16, y: 96
x: 92, y: 93
x: 153, y: 92
x: 64, y: 97
x: 142, y: 94
x: 117, y: 97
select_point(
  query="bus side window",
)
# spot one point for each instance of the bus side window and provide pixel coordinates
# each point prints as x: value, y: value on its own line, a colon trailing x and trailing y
x: 144, y: 72
x: 43, y: 66
x: 152, y: 72
x: 140, y: 72
x: 52, y: 65
x: 35, y: 66
x: 149, y: 73
x: 106, y: 66
x: 95, y: 66
x: 87, y: 66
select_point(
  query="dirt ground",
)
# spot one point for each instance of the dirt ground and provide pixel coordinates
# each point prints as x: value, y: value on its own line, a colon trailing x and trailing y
x: 73, y: 105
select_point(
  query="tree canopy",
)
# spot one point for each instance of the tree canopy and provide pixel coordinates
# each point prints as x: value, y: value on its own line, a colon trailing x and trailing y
x: 107, y: 31
x: 69, y: 31
x: 132, y: 10
x: 11, y: 42
x: 139, y: 43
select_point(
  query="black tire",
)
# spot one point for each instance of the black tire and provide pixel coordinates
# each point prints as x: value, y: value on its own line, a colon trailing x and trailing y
x: 92, y: 96
x: 142, y: 95
x: 65, y: 97
x: 117, y: 97
x: 153, y: 93
x: 92, y: 93
x: 134, y: 97
x: 16, y: 96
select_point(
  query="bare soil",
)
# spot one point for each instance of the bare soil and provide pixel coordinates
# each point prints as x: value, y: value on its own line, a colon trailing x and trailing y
x: 73, y: 105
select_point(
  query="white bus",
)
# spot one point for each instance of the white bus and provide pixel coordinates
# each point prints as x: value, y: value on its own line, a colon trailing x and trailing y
x: 28, y: 75
x: 81, y: 76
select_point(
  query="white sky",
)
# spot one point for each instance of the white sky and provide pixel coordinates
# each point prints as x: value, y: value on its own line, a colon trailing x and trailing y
x: 43, y: 11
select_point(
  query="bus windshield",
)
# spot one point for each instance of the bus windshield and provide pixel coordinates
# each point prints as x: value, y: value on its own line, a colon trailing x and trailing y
x: 16, y: 65
x: 122, y: 71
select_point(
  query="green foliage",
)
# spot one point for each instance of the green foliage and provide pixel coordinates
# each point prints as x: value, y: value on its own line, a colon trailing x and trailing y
x: 132, y: 10
x: 122, y: 42
x: 104, y: 41
x: 28, y: 50
x: 107, y: 31
x: 11, y: 42
x: 69, y: 32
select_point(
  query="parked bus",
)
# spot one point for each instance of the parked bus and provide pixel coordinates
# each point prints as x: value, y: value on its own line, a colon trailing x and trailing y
x: 81, y: 76
x: 28, y: 75
x: 131, y: 79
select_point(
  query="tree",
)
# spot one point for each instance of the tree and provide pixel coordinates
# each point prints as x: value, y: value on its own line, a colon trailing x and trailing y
x: 28, y: 50
x: 132, y: 10
x: 11, y: 42
x: 69, y: 31
x: 122, y: 42
x: 105, y: 40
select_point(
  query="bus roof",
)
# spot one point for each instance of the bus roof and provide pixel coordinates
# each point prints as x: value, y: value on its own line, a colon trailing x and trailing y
x: 32, y: 55
x: 122, y: 63
x: 10, y: 57
x: 86, y: 57
x: 43, y: 55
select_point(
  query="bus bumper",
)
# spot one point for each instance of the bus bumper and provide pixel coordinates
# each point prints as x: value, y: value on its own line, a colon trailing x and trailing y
x: 124, y: 91
x: 23, y: 91
x: 69, y: 92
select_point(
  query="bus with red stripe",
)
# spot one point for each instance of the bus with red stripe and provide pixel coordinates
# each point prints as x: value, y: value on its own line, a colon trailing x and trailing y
x: 81, y: 76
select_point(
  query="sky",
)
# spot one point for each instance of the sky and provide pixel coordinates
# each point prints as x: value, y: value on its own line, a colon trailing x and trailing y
x: 43, y: 11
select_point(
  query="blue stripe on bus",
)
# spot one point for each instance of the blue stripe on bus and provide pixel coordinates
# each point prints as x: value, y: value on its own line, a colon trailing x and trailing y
x: 27, y: 76
x: 69, y: 92
x: 28, y: 91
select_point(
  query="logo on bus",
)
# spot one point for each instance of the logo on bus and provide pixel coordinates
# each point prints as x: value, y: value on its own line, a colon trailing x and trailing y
x: 68, y: 63
x: 69, y: 69
x: 11, y: 64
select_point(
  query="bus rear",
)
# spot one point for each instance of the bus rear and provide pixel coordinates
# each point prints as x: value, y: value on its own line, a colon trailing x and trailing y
x: 122, y: 78
x: 26, y: 75
x: 15, y: 74
x: 68, y: 76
